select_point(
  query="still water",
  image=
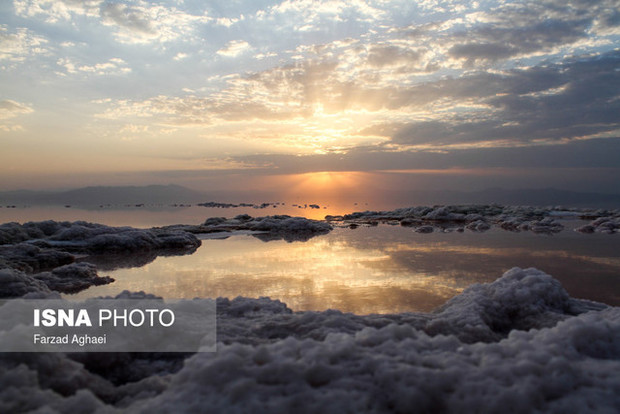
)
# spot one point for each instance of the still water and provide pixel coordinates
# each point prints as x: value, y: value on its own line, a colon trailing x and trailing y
x: 152, y: 216
x: 380, y: 269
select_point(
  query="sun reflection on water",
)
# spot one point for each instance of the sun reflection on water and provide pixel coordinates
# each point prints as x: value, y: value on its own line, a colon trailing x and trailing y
x: 369, y: 270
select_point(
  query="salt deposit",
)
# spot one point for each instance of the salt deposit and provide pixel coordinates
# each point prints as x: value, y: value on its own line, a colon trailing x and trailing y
x: 15, y: 283
x: 479, y: 218
x: 39, y: 256
x: 519, y: 343
x: 279, y: 227
x: 33, y: 252
x: 214, y: 204
x: 606, y: 224
x: 31, y: 258
x: 83, y: 237
x: 70, y: 278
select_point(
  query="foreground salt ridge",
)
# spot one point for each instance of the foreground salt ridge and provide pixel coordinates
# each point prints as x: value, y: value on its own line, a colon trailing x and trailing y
x: 519, y: 344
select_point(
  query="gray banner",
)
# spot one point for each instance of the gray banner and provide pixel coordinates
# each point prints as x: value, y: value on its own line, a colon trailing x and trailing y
x: 108, y: 325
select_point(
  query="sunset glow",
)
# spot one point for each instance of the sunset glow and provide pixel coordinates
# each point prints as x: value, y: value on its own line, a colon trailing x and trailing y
x: 364, y: 206
x: 137, y: 92
x: 325, y: 182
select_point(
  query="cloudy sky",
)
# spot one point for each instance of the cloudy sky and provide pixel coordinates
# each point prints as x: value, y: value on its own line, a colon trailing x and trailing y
x: 431, y: 93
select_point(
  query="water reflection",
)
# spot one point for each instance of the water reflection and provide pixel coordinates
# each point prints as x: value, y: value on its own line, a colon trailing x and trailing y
x: 375, y: 270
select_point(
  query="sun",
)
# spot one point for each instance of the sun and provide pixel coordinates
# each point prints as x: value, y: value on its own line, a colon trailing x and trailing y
x: 327, y: 182
x: 336, y: 189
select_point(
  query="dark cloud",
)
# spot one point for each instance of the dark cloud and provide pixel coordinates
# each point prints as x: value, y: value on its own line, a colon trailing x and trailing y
x: 490, y: 42
x: 343, y: 76
x: 383, y: 55
x: 488, y: 51
x: 611, y: 20
x: 319, y: 82
x: 595, y: 153
x: 584, y: 165
x: 575, y: 98
x: 127, y: 17
x: 564, y: 101
x: 526, y: 28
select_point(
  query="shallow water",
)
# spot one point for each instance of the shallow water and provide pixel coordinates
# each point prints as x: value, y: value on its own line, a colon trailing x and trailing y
x: 382, y: 269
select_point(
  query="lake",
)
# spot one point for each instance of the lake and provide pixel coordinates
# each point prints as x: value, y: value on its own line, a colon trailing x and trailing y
x: 382, y: 269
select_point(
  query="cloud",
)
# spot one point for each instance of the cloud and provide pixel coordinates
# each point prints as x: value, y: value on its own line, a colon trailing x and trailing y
x: 501, y: 41
x: 278, y: 94
x: 580, y: 154
x: 386, y: 55
x: 54, y: 11
x: 487, y: 51
x: 609, y: 22
x: 11, y: 109
x: 528, y: 29
x: 114, y: 66
x: 191, y: 110
x: 133, y: 22
x: 234, y: 48
x: 146, y: 22
x: 311, y: 13
x: 226, y: 21
x: 20, y: 44
x: 564, y: 101
x: 260, y: 56
x: 8, y: 111
x: 428, y: 76
x: 573, y: 99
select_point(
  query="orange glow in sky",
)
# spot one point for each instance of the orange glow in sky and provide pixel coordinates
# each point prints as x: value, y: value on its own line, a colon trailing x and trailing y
x: 340, y: 188
x: 326, y: 182
x: 179, y: 92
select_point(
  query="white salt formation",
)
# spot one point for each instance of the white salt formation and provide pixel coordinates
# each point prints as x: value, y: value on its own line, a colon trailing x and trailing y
x: 280, y: 227
x: 72, y: 278
x: 38, y: 253
x: 479, y: 218
x: 31, y: 258
x: 519, y: 344
x: 15, y: 283
x: 83, y: 237
x: 608, y: 225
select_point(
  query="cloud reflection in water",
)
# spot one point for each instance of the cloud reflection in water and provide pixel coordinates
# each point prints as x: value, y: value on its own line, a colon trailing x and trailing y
x: 385, y: 269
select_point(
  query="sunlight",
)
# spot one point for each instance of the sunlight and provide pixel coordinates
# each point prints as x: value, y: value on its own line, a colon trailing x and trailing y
x: 320, y: 274
x: 326, y: 179
x: 337, y: 190
x: 325, y: 183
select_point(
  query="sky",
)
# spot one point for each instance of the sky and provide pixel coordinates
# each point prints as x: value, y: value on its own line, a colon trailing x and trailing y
x: 310, y: 94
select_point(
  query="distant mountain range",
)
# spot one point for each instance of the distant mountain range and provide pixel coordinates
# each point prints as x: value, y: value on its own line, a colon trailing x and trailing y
x: 176, y: 194
x: 91, y: 196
